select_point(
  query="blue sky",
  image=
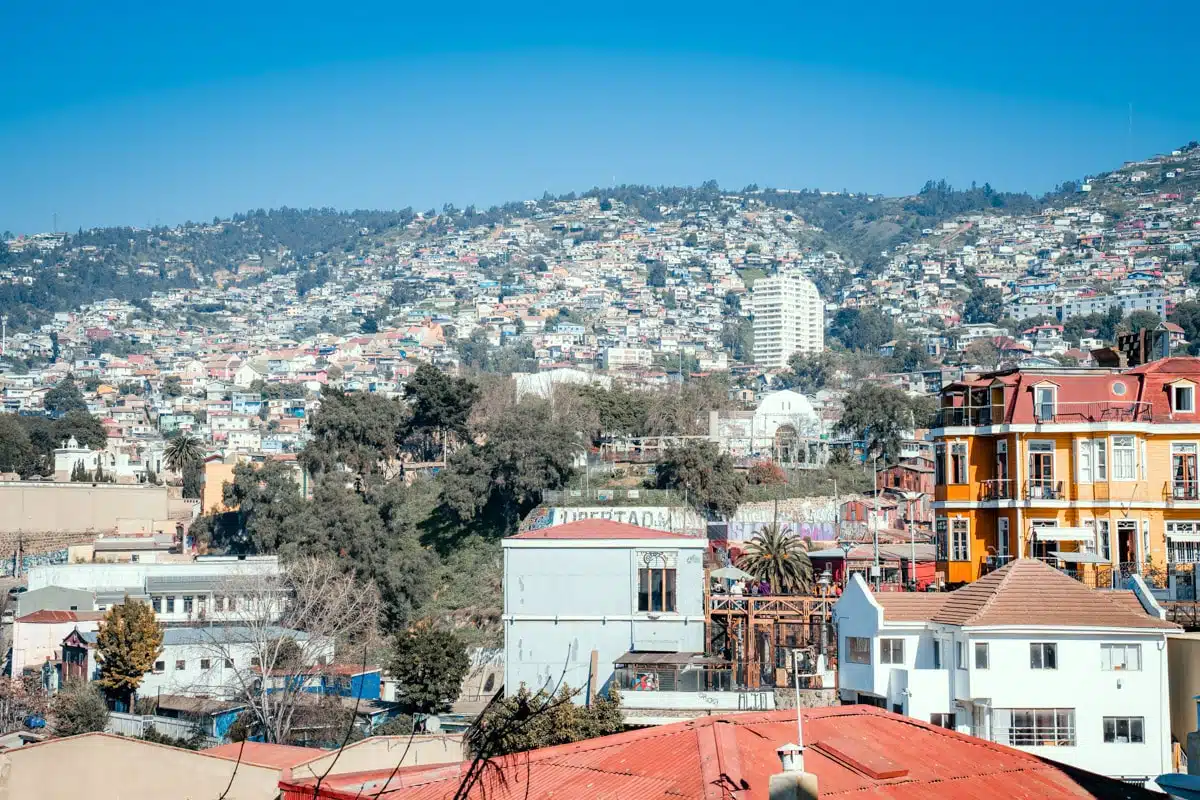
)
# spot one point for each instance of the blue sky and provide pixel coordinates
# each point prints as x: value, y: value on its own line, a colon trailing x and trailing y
x: 137, y: 113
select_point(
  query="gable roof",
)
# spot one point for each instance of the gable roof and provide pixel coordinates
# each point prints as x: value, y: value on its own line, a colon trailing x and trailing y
x: 853, y: 750
x: 1029, y: 592
x: 265, y: 754
x: 911, y: 606
x: 598, y: 529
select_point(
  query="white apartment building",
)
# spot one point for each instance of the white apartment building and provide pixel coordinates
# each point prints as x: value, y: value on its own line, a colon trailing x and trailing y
x: 583, y: 597
x: 1025, y: 656
x: 788, y: 318
x: 627, y: 358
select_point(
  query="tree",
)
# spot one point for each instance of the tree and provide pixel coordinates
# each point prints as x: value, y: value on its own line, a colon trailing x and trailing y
x: 705, y: 474
x: 861, y: 329
x: 984, y: 305
x: 880, y: 415
x: 172, y: 386
x: 779, y: 559
x: 982, y: 352
x: 1187, y: 316
x: 22, y: 699
x: 429, y: 666
x: 316, y: 604
x: 182, y: 452
x: 127, y: 644
x: 526, y: 721
x: 808, y: 373
x: 355, y: 431
x: 766, y: 473
x: 270, y: 511
x: 16, y: 451
x: 1140, y: 320
x: 490, y: 487
x: 440, y: 405
x: 64, y: 396
x: 79, y: 707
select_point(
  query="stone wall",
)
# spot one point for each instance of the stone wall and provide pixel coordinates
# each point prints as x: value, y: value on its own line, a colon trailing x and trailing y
x: 809, y: 698
x: 38, y: 547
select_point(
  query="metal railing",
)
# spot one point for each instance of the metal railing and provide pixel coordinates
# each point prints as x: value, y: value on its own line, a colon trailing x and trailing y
x: 960, y: 416
x: 1094, y: 411
x: 1051, y: 735
x: 1042, y: 489
x: 993, y: 563
x: 1185, y: 489
x: 996, y: 489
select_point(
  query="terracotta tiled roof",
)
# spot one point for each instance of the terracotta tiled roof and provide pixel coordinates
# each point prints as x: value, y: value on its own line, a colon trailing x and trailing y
x: 911, y: 606
x: 598, y: 529
x: 856, y: 751
x: 1029, y: 592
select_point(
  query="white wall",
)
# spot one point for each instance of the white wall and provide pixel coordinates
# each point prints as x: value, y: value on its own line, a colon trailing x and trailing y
x: 563, y: 599
x: 34, y: 642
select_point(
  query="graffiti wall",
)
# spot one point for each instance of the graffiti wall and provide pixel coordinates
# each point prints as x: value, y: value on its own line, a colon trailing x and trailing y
x: 812, y: 518
x: 659, y: 518
x: 33, y: 560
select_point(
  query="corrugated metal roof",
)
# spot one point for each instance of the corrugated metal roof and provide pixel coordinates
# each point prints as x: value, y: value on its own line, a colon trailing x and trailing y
x: 734, y: 756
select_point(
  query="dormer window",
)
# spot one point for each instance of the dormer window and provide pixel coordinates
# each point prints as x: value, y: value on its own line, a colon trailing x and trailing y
x: 1183, y: 398
x: 1043, y: 403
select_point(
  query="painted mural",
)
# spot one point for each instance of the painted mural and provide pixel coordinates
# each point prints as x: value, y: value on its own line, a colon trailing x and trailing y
x: 31, y: 560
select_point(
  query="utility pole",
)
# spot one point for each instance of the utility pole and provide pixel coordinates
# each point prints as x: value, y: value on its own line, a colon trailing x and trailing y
x: 3, y: 334
x: 875, y: 536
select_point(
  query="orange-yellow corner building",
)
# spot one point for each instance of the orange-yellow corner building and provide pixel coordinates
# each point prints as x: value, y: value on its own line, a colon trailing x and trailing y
x: 1094, y: 470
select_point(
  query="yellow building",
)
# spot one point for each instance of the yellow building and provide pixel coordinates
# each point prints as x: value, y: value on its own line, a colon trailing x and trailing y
x: 1093, y: 470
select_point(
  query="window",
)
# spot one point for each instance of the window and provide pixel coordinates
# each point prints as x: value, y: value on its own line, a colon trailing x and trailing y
x: 1183, y: 399
x: 188, y: 602
x: 229, y: 663
x: 1043, y: 399
x: 1085, y: 461
x: 201, y: 604
x: 180, y: 665
x: 160, y: 666
x: 939, y: 464
x: 490, y: 683
x: 170, y: 604
x: 205, y: 663
x: 1121, y: 657
x: 960, y: 655
x: 1093, y: 460
x: 891, y: 651
x: 156, y: 604
x: 981, y: 655
x: 942, y: 720
x: 1183, y: 471
x: 958, y: 462
x: 1124, y: 452
x: 1124, y: 730
x: 859, y: 650
x: 1002, y: 546
x: 1104, y: 539
x: 1183, y: 542
x: 656, y: 589
x: 1002, y: 461
x: 1043, y: 655
x: 1041, y: 470
x: 1100, y: 450
x: 937, y: 653
x: 1032, y: 727
x: 960, y: 545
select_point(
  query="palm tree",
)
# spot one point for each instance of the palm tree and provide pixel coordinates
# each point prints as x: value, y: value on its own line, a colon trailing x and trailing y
x: 183, y: 451
x: 780, y: 559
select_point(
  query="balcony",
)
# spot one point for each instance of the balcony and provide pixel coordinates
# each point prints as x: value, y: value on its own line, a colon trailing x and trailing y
x: 959, y: 416
x: 998, y: 489
x: 993, y: 563
x: 1093, y: 411
x: 1184, y: 489
x: 1042, y: 489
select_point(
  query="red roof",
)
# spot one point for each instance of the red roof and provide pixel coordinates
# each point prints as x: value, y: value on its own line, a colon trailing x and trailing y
x: 857, y: 751
x: 264, y: 754
x: 45, y: 616
x: 598, y: 529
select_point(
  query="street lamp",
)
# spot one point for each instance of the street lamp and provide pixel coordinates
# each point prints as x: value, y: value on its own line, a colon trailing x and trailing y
x: 911, y: 497
x: 846, y: 548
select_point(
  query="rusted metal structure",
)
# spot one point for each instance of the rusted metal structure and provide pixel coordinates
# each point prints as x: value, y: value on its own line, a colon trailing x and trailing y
x: 757, y: 634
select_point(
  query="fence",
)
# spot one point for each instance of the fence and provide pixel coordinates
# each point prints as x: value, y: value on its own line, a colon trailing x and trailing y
x: 136, y: 725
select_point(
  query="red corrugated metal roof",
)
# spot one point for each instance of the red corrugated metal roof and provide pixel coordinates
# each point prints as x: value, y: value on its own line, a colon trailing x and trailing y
x: 853, y: 750
x: 598, y: 529
x: 44, y: 616
x: 264, y: 754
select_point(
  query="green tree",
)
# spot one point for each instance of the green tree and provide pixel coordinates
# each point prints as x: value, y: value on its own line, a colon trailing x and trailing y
x: 16, y: 451
x: 984, y: 305
x: 808, y: 373
x: 429, y: 666
x: 127, y: 643
x: 172, y: 386
x: 357, y: 431
x: 183, y: 451
x: 780, y: 559
x: 78, y: 708
x: 526, y: 721
x: 490, y: 487
x: 1187, y: 316
x: 1140, y: 320
x: 861, y: 329
x: 880, y: 415
x: 705, y: 474
x: 64, y: 396
x: 440, y: 405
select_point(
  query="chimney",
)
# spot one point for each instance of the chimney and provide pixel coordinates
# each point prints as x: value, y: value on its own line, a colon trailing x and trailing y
x: 793, y: 783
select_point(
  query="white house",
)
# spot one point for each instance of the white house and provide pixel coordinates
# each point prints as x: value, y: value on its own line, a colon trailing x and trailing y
x: 1025, y: 656
x: 598, y: 592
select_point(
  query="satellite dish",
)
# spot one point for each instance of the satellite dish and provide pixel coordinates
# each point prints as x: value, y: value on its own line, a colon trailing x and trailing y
x: 433, y: 724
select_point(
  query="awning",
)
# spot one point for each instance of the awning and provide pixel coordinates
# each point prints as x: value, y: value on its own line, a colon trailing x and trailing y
x: 1183, y: 537
x: 1079, y: 558
x: 1049, y: 534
